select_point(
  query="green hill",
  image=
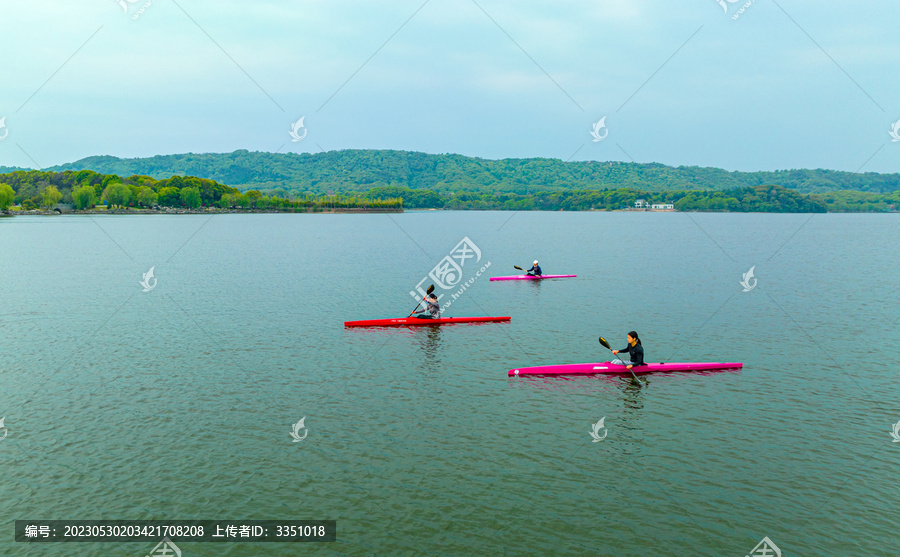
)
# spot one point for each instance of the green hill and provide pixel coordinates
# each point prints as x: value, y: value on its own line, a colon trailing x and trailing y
x: 361, y: 170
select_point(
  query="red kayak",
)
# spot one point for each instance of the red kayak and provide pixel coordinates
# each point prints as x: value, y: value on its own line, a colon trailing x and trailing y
x: 415, y: 321
x: 607, y: 367
x: 532, y: 277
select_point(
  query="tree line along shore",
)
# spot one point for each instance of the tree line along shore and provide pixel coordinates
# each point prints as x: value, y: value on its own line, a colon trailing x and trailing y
x: 86, y: 190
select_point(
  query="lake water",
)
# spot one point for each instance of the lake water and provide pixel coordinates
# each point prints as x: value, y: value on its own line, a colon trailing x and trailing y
x: 178, y: 403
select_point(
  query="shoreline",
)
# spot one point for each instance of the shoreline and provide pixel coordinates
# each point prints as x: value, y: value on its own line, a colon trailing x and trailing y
x: 179, y: 211
x: 217, y: 211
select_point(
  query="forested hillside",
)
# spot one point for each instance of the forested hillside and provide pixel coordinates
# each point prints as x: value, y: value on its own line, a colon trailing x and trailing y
x: 361, y: 170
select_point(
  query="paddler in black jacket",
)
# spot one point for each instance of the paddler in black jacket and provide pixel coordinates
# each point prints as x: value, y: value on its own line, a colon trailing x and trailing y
x: 635, y: 352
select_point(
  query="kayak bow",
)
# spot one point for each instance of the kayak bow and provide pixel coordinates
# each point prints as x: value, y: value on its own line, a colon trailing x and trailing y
x: 610, y: 368
x: 531, y: 277
x: 415, y: 321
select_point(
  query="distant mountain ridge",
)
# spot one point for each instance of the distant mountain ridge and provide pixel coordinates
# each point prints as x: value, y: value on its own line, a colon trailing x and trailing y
x: 360, y: 170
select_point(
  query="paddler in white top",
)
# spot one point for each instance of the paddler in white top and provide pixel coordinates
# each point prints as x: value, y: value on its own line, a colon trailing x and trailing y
x: 535, y: 270
x: 431, y: 306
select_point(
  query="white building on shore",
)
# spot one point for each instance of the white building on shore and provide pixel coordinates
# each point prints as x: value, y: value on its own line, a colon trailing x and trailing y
x: 644, y: 205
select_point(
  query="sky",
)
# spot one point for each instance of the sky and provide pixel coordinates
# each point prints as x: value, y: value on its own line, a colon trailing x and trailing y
x: 746, y: 85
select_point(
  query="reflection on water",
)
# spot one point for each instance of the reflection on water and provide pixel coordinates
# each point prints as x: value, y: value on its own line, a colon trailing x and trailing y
x: 430, y: 343
x: 632, y: 393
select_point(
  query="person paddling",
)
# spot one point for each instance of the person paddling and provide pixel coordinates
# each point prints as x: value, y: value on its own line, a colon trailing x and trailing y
x: 635, y: 352
x: 535, y: 270
x: 432, y: 308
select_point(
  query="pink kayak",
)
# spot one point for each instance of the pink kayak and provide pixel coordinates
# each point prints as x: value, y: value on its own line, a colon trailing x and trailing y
x: 607, y: 367
x: 416, y: 322
x: 531, y: 277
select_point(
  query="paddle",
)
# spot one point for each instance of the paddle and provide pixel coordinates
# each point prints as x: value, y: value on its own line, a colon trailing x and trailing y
x: 608, y: 347
x: 427, y: 292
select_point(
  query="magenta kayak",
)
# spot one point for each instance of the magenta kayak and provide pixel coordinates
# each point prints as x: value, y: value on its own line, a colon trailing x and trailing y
x: 532, y: 277
x: 607, y: 367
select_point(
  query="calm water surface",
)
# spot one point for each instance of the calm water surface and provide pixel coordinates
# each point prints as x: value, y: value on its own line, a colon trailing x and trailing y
x: 178, y: 403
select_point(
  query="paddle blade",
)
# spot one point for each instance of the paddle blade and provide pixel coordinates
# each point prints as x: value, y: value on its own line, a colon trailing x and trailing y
x: 605, y: 344
x: 517, y: 267
x: 430, y: 289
